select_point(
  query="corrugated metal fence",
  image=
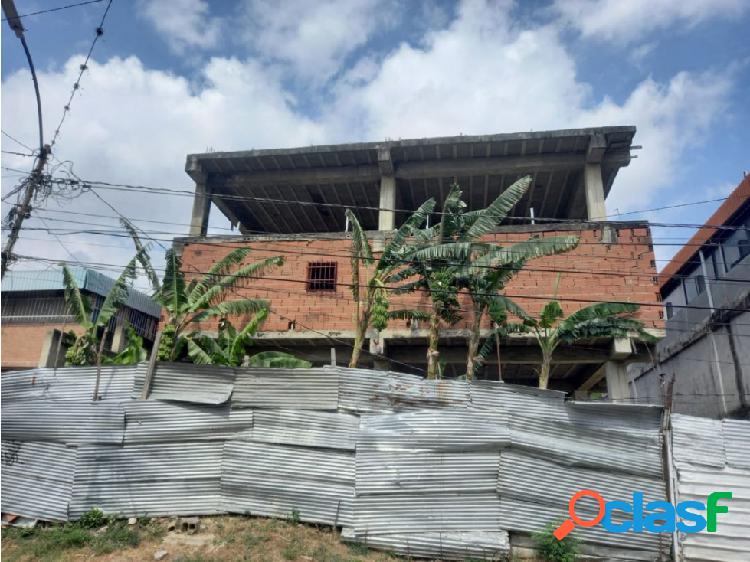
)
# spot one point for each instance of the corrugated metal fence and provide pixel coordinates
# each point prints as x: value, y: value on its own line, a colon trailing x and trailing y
x: 425, y: 468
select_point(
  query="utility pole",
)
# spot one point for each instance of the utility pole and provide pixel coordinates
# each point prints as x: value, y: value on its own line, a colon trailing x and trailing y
x: 20, y: 212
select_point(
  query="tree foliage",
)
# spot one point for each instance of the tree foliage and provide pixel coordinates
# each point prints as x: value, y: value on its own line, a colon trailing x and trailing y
x: 204, y: 298
x: 601, y: 320
x: 230, y: 347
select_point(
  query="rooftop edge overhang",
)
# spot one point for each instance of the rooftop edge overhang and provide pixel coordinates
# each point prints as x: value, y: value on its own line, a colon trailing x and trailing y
x: 733, y: 206
x: 307, y: 189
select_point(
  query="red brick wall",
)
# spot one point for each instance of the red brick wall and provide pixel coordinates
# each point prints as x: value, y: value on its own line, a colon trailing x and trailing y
x: 623, y: 271
x: 22, y: 343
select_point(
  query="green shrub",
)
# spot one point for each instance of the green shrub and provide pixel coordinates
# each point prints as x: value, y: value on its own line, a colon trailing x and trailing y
x: 553, y: 550
x: 294, y: 517
x: 92, y: 519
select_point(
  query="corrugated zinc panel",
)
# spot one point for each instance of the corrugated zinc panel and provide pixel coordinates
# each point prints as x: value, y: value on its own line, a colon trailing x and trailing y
x: 456, y: 545
x: 576, y: 445
x: 449, y: 429
x: 69, y: 384
x: 698, y: 440
x: 184, y: 382
x: 737, y: 443
x: 530, y: 517
x: 64, y: 422
x: 410, y: 472
x: 306, y: 428
x: 148, y: 480
x: 510, y: 398
x: 622, y: 417
x: 276, y: 480
x: 422, y: 512
x: 37, y: 479
x: 154, y: 421
x: 361, y: 390
x: 539, y: 480
x: 291, y: 389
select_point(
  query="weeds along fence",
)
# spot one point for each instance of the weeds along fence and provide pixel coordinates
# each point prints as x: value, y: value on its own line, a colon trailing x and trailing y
x: 445, y: 469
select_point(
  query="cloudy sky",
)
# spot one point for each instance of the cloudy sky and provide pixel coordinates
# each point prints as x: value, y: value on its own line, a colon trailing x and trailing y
x: 171, y: 77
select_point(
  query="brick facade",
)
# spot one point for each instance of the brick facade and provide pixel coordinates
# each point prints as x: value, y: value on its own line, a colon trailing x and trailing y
x: 23, y: 343
x: 593, y: 272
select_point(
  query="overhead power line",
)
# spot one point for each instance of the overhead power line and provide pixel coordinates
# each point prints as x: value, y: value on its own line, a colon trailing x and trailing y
x: 281, y: 248
x: 347, y: 285
x: 77, y: 84
x: 185, y: 192
x: 47, y: 11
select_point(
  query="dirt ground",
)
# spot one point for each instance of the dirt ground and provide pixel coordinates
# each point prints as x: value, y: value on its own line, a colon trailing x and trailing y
x: 222, y: 538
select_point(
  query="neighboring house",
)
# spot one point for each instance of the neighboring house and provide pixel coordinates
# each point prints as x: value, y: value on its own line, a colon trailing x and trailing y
x: 292, y: 202
x: 35, y: 314
x: 706, y: 351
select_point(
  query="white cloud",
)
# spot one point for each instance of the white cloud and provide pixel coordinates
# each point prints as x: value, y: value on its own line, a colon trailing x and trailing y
x: 183, y: 23
x: 670, y: 118
x: 485, y: 73
x: 133, y: 125
x: 313, y: 39
x: 628, y: 20
x: 482, y: 75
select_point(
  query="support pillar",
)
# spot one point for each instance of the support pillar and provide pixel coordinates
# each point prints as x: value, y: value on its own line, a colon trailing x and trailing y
x: 592, y: 178
x: 377, y: 350
x: 50, y: 356
x: 618, y: 388
x: 119, y: 339
x: 595, y: 209
x: 201, y: 208
x: 387, y: 205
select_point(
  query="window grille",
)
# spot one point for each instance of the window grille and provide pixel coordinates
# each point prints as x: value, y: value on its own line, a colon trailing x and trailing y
x: 321, y: 276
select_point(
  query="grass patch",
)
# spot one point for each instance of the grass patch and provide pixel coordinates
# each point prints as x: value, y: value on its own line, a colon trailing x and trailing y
x: 293, y: 549
x: 116, y: 536
x: 46, y: 544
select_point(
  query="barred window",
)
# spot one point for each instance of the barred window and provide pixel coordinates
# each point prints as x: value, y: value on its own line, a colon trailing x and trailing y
x: 321, y: 276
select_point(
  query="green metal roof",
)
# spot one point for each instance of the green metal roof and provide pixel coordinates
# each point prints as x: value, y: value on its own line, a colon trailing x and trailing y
x: 86, y: 279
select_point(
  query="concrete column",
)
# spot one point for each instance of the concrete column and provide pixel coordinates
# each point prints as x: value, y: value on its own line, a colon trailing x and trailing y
x: 119, y: 340
x: 616, y: 374
x: 201, y: 208
x: 49, y: 356
x: 387, y: 205
x: 377, y: 350
x: 594, y: 192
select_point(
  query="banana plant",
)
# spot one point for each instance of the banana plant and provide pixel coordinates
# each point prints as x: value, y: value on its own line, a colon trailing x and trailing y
x: 230, y: 345
x: 452, y: 258
x: 201, y: 299
x: 600, y: 320
x: 88, y: 348
x: 373, y: 310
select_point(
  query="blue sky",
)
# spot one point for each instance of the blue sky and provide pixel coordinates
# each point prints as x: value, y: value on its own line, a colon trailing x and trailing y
x: 179, y: 76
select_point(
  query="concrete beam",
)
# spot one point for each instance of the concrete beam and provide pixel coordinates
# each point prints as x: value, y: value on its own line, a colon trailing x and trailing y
x: 592, y: 179
x: 201, y: 208
x: 592, y: 381
x: 596, y: 149
x: 308, y: 176
x: 496, y: 165
x: 621, y: 348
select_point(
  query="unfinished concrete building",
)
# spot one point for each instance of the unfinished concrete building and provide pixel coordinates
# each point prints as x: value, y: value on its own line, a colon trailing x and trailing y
x: 292, y: 202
